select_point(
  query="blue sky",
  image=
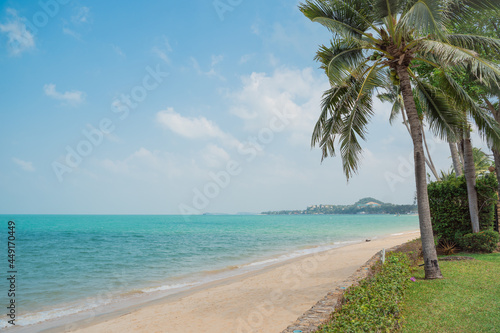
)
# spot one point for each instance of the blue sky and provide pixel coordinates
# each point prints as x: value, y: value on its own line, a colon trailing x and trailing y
x: 162, y: 107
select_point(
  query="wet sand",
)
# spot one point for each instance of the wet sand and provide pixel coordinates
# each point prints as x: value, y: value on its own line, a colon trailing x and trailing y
x: 265, y: 301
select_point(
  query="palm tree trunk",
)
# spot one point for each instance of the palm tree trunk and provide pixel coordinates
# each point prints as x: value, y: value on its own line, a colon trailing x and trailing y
x: 456, y: 159
x: 470, y: 179
x: 428, y: 159
x: 496, y: 155
x: 431, y: 265
x: 460, y: 153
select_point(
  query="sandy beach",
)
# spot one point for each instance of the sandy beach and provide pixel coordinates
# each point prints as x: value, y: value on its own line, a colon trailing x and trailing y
x: 264, y: 301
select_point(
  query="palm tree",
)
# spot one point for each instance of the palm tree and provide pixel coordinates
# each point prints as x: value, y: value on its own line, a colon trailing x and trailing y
x: 370, y: 35
x: 455, y: 157
x: 486, y: 23
x: 454, y: 83
x: 393, y: 96
x: 482, y: 162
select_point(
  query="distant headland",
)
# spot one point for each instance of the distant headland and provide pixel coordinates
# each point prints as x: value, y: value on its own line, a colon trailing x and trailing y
x: 363, y: 206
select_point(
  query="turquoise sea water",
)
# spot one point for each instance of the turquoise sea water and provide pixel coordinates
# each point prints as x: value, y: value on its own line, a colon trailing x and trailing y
x: 67, y: 264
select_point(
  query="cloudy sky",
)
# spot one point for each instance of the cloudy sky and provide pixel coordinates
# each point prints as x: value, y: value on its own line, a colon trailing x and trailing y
x: 162, y: 107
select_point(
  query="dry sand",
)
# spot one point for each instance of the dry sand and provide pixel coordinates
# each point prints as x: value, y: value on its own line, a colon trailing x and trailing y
x: 265, y: 301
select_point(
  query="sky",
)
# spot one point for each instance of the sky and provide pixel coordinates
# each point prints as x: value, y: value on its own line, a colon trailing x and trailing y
x: 185, y: 107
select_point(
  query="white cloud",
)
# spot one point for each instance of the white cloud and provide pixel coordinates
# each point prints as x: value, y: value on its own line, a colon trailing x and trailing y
x: 292, y: 92
x: 246, y: 58
x: 80, y: 22
x: 82, y: 16
x: 69, y: 32
x: 161, y: 54
x: 215, y: 156
x: 144, y: 164
x: 26, y: 166
x: 118, y: 51
x: 163, y: 50
x: 70, y: 97
x: 216, y: 59
x: 19, y: 38
x: 191, y: 128
x: 273, y: 60
x: 255, y: 28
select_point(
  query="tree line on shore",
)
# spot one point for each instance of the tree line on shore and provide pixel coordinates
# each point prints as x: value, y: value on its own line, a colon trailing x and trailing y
x: 363, y: 206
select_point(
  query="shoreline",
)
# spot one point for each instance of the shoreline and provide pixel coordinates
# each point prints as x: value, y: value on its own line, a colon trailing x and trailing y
x: 137, y: 298
x: 292, y: 287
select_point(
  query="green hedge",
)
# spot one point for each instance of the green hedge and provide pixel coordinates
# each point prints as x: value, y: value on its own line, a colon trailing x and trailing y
x: 484, y: 241
x: 450, y: 208
x: 375, y: 304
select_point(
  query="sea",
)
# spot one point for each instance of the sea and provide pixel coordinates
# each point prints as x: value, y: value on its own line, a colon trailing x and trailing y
x: 80, y: 265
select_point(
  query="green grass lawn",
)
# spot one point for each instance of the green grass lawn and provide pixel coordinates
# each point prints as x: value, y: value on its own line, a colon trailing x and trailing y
x: 466, y: 300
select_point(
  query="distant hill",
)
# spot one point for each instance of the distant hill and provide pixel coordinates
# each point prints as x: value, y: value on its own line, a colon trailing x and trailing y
x: 367, y: 200
x: 363, y: 206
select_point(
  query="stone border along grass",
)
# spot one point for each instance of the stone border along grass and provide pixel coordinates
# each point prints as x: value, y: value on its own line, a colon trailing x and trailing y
x: 321, y: 312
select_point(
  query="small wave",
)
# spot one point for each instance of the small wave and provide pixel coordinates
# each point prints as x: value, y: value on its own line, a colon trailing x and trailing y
x: 406, y: 233
x: 168, y: 287
x: 88, y: 304
x: 300, y: 253
x: 37, y: 317
x: 263, y: 262
x: 222, y: 270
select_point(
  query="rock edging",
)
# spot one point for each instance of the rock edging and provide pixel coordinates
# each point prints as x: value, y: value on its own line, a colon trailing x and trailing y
x: 319, y: 313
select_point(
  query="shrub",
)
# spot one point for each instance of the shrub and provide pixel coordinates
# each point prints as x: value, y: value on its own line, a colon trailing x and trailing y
x: 375, y: 304
x: 483, y: 241
x: 447, y: 247
x: 413, y: 249
x: 450, y: 208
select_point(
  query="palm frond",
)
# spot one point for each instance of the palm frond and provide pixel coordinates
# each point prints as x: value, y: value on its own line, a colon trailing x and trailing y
x: 444, y: 121
x: 388, y: 97
x: 449, y: 55
x: 423, y: 17
x: 355, y: 126
x: 329, y: 121
x: 348, y: 19
x: 488, y: 127
x: 393, y: 96
x: 397, y: 105
x: 372, y: 78
x: 396, y: 110
x: 476, y: 43
x: 338, y: 59
x: 346, y: 111
x: 467, y: 9
x: 385, y: 8
x: 340, y: 28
